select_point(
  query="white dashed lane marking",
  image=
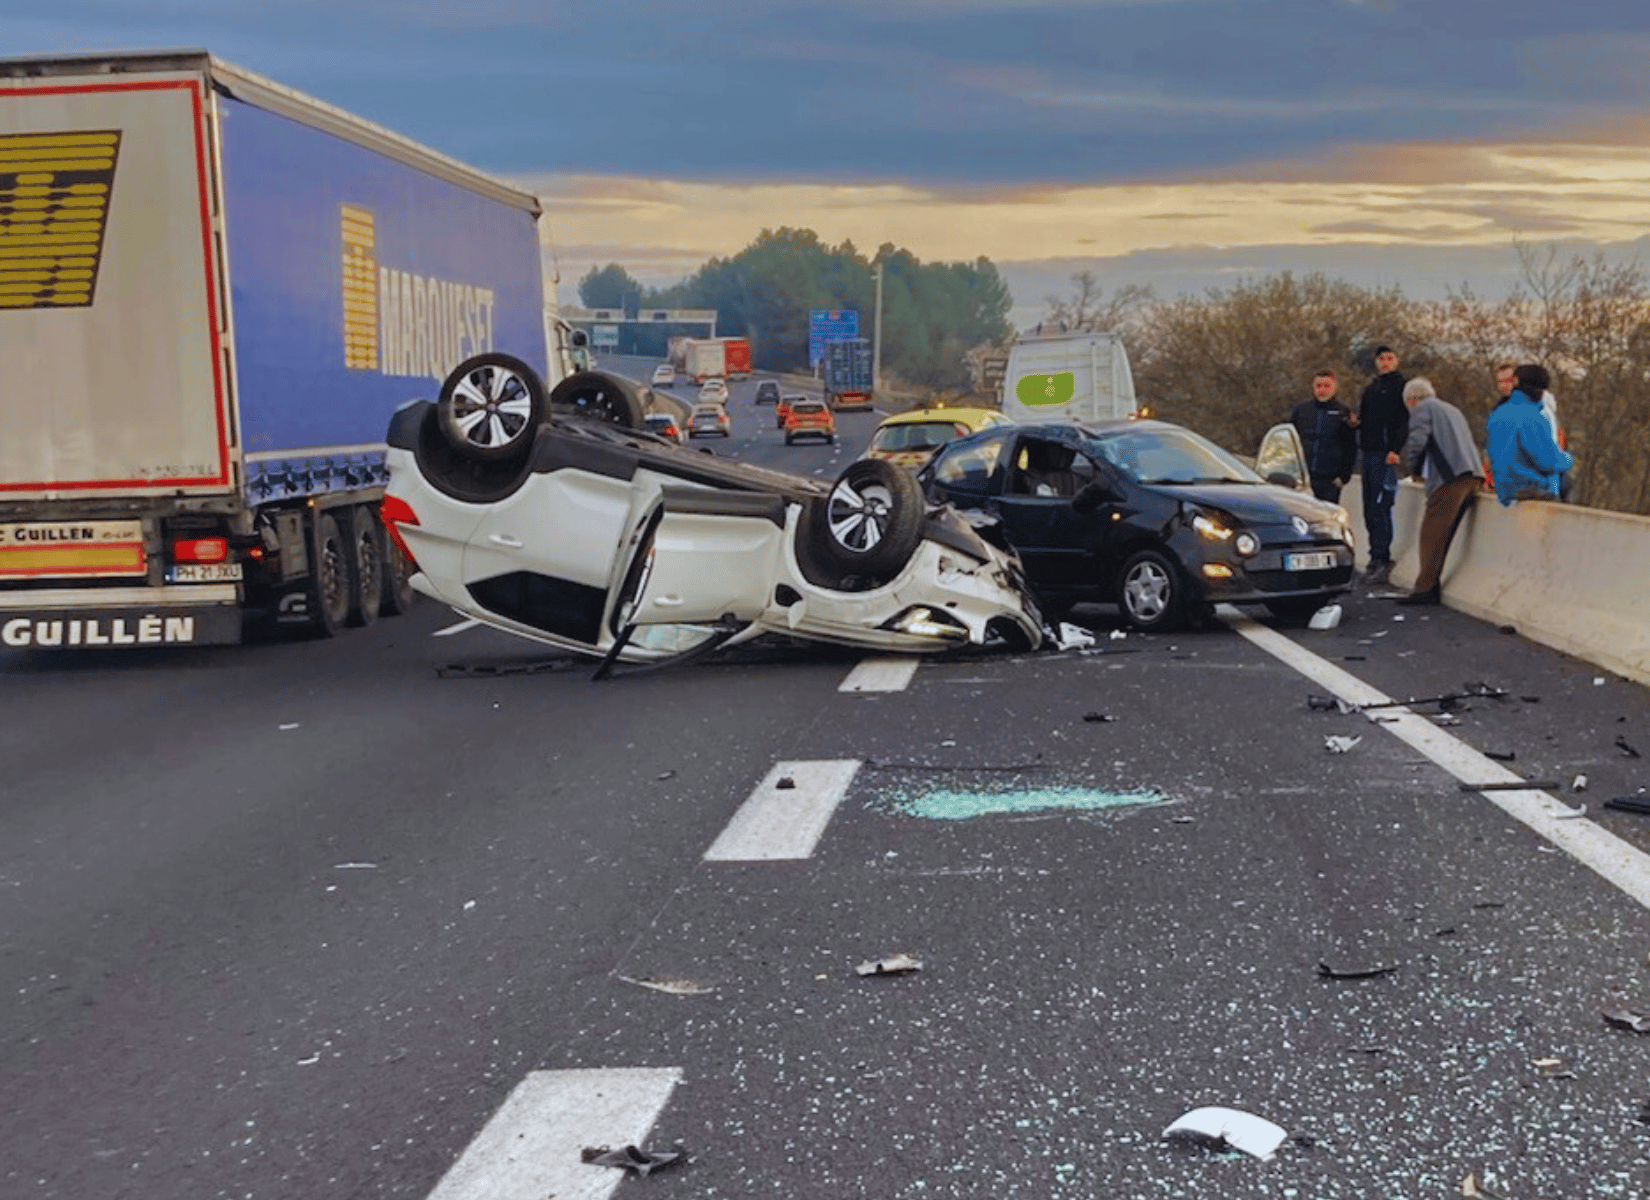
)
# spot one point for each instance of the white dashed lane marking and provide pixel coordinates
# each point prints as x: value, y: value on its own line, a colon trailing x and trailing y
x: 530, y: 1149
x: 786, y: 815
x: 1622, y: 864
x: 891, y: 674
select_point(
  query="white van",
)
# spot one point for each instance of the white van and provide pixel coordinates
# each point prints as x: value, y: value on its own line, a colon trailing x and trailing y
x: 1076, y: 376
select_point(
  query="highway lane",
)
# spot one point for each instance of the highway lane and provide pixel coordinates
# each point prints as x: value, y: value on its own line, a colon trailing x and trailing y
x: 242, y: 959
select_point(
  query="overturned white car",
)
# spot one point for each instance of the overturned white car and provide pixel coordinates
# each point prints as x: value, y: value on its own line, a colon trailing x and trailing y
x: 560, y: 518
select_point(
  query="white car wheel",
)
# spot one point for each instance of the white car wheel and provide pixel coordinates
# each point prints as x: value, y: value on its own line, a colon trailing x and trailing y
x: 872, y: 519
x: 490, y: 405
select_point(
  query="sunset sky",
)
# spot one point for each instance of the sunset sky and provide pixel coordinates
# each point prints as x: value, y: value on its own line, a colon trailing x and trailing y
x: 1179, y: 143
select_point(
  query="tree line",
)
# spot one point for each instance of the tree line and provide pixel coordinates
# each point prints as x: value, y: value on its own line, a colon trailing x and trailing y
x: 932, y: 313
x: 1230, y: 363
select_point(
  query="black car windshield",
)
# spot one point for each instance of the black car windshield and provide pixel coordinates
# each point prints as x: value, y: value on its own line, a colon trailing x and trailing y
x: 1169, y: 456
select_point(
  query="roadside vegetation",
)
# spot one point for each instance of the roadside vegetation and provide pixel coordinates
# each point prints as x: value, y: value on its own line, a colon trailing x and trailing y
x: 932, y: 313
x: 1232, y: 362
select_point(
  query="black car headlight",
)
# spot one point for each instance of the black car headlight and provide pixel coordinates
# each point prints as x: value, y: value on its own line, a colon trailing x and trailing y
x: 1212, y: 524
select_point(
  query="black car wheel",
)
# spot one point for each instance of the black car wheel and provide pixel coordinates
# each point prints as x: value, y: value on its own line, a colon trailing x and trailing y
x: 871, y: 521
x: 1151, y: 591
x: 598, y: 397
x: 489, y: 406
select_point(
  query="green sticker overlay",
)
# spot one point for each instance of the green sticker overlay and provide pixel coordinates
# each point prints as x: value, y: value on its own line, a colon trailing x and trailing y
x: 1035, y: 390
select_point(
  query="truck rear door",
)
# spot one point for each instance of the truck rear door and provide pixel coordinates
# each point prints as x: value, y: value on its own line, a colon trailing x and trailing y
x: 111, y: 349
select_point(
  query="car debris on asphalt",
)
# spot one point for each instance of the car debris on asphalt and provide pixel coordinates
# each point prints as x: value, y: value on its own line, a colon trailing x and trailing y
x: 1516, y: 785
x: 1471, y: 1187
x: 1221, y: 1127
x: 1327, y: 617
x: 670, y: 987
x: 894, y: 964
x: 1627, y: 1018
x: 1370, y: 972
x: 1098, y: 718
x: 1502, y: 755
x: 1637, y: 803
x: 1553, y: 1068
x: 482, y: 670
x: 631, y: 1158
x: 1073, y: 637
x: 1578, y: 784
x: 1627, y: 748
x: 1337, y: 744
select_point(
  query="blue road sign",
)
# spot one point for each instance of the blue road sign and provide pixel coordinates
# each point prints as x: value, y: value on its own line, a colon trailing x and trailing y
x: 829, y: 325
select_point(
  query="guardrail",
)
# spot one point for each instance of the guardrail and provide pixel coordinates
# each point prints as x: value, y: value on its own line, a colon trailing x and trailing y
x: 1576, y: 579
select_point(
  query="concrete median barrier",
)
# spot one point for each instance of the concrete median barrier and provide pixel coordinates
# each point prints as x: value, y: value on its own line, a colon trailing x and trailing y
x: 1576, y: 579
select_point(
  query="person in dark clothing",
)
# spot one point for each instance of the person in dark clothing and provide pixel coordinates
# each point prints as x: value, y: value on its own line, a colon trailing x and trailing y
x: 1383, y: 427
x: 1325, y: 426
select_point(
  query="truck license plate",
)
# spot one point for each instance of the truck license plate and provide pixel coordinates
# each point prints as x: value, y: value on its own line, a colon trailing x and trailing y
x: 1316, y: 560
x: 205, y: 573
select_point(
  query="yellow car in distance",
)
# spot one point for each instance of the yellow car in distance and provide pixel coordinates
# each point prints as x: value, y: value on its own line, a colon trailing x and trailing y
x: 909, y: 439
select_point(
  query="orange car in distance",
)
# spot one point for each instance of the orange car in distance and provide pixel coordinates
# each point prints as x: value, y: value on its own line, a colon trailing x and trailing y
x: 807, y: 417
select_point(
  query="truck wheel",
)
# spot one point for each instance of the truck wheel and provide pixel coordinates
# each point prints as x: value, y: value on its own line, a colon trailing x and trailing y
x: 1151, y: 592
x: 366, y: 566
x: 490, y: 405
x: 399, y: 596
x: 871, y: 521
x: 331, y: 586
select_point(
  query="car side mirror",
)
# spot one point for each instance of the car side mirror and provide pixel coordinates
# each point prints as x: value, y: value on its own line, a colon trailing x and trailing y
x: 1093, y: 495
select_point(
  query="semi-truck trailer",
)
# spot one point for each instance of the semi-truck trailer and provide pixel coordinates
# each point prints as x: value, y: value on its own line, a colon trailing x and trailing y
x: 214, y: 292
x: 714, y: 358
x: 846, y: 373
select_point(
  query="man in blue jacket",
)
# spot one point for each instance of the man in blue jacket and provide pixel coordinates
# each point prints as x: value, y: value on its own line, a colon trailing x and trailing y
x: 1524, y: 455
x: 1325, y: 426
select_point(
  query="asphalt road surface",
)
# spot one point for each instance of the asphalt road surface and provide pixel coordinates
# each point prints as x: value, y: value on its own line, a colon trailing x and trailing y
x: 312, y: 919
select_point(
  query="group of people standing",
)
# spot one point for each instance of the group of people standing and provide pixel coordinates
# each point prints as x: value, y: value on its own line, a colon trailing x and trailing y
x: 1404, y: 429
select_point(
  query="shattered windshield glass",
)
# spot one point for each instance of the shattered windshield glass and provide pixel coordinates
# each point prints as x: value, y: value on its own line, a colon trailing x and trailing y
x: 1170, y: 456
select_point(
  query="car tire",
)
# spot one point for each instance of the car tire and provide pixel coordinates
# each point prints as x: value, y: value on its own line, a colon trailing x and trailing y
x: 870, y: 522
x: 598, y: 397
x: 331, y: 585
x: 366, y: 566
x: 490, y: 406
x: 1151, y: 591
x: 1295, y: 608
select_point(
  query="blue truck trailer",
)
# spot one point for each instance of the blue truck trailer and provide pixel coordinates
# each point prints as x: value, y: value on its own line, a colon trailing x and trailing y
x: 214, y: 293
x: 846, y: 373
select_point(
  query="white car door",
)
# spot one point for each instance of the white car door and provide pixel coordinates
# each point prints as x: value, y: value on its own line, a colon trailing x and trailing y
x: 545, y: 556
x: 712, y: 554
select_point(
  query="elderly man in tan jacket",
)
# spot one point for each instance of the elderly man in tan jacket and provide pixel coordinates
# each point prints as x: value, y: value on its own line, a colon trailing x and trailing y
x: 1441, y: 452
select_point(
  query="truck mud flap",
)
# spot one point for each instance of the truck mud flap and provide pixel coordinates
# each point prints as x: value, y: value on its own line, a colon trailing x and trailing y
x: 120, y: 628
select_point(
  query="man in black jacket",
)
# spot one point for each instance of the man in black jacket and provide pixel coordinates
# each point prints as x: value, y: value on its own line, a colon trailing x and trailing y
x: 1383, y: 427
x: 1325, y: 426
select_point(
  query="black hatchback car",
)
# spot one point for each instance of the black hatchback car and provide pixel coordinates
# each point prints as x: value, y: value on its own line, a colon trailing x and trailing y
x: 1151, y: 517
